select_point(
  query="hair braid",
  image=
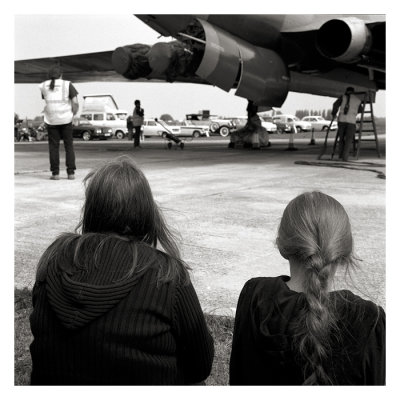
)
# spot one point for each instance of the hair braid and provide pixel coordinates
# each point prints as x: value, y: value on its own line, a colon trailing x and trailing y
x: 316, y: 323
x: 315, y: 233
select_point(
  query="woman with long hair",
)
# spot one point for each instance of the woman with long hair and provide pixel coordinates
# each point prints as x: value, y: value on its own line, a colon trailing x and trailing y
x: 299, y: 330
x: 61, y: 99
x: 113, y: 304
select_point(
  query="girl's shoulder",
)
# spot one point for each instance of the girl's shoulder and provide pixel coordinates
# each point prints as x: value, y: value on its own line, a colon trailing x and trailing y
x: 267, y: 286
x: 357, y: 312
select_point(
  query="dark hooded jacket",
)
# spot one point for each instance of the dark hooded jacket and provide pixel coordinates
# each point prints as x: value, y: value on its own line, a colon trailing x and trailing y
x: 92, y: 325
x: 262, y: 347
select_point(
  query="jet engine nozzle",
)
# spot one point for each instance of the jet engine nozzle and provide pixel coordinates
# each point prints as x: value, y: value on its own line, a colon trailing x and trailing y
x: 344, y: 40
x: 258, y: 74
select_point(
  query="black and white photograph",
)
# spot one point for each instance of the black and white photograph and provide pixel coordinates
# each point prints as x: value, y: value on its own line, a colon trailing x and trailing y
x: 200, y: 199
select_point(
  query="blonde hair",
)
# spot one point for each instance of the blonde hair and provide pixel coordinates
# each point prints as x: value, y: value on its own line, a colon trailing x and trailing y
x: 315, y: 232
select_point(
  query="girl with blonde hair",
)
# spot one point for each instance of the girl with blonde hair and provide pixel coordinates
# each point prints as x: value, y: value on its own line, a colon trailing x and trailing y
x: 298, y: 330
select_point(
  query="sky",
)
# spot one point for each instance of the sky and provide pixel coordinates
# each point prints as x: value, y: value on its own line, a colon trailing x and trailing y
x: 64, y: 34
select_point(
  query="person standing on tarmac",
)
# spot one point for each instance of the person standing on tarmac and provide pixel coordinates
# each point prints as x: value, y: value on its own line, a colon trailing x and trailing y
x: 129, y: 126
x: 61, y: 105
x: 137, y: 120
x: 349, y: 105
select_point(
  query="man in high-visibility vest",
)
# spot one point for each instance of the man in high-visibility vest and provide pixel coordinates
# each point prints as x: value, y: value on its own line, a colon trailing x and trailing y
x: 61, y: 105
x: 349, y: 105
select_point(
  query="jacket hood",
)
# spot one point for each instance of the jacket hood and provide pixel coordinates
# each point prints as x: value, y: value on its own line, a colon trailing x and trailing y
x: 85, y: 293
x: 76, y: 303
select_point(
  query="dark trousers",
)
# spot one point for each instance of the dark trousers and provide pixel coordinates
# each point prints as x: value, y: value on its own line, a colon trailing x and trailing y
x: 56, y: 133
x: 346, y: 134
x: 136, y: 142
x: 130, y: 133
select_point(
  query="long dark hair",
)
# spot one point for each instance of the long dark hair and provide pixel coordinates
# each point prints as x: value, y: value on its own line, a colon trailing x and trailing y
x: 119, y: 204
x: 315, y: 232
x: 54, y: 73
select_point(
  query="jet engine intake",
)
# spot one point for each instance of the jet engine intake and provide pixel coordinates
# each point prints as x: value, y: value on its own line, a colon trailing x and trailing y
x: 344, y: 40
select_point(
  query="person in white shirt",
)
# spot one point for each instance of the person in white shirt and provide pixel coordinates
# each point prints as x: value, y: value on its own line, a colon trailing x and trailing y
x: 61, y: 105
x: 349, y: 105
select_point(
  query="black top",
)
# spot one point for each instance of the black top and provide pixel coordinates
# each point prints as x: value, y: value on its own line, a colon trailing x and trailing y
x: 93, y: 326
x: 262, y: 343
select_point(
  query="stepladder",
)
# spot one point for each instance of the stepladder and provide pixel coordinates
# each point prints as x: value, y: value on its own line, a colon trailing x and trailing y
x: 366, y: 124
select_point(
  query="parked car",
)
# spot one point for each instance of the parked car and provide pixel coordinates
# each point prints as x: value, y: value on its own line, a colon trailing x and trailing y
x: 189, y: 130
x: 216, y: 125
x: 114, y: 119
x: 223, y: 126
x: 152, y: 127
x: 240, y: 122
x: 82, y: 128
x: 318, y: 123
x: 284, y: 123
x: 268, y: 124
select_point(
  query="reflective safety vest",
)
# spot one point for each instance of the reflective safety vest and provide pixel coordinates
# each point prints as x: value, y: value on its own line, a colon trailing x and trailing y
x: 354, y: 103
x: 58, y: 109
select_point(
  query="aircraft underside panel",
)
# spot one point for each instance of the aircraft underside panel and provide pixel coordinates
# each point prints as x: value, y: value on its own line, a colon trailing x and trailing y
x: 258, y: 74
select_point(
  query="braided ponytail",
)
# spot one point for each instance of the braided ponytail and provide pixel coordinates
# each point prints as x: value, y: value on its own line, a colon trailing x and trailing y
x: 315, y: 233
x: 316, y: 323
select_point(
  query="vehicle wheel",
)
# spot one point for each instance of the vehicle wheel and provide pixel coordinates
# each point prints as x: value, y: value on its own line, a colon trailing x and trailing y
x: 325, y: 128
x: 279, y: 131
x: 164, y: 135
x: 119, y: 135
x: 86, y: 136
x: 214, y: 126
x: 196, y: 134
x: 299, y: 129
x: 224, y: 131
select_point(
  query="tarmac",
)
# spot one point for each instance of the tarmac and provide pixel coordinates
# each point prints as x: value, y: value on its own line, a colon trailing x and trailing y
x: 225, y: 205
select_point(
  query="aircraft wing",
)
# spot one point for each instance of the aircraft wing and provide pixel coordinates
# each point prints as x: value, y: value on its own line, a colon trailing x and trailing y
x: 263, y: 57
x: 78, y: 68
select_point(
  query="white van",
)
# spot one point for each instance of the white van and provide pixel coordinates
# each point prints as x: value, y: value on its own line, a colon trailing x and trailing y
x: 101, y: 109
x: 114, y: 119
